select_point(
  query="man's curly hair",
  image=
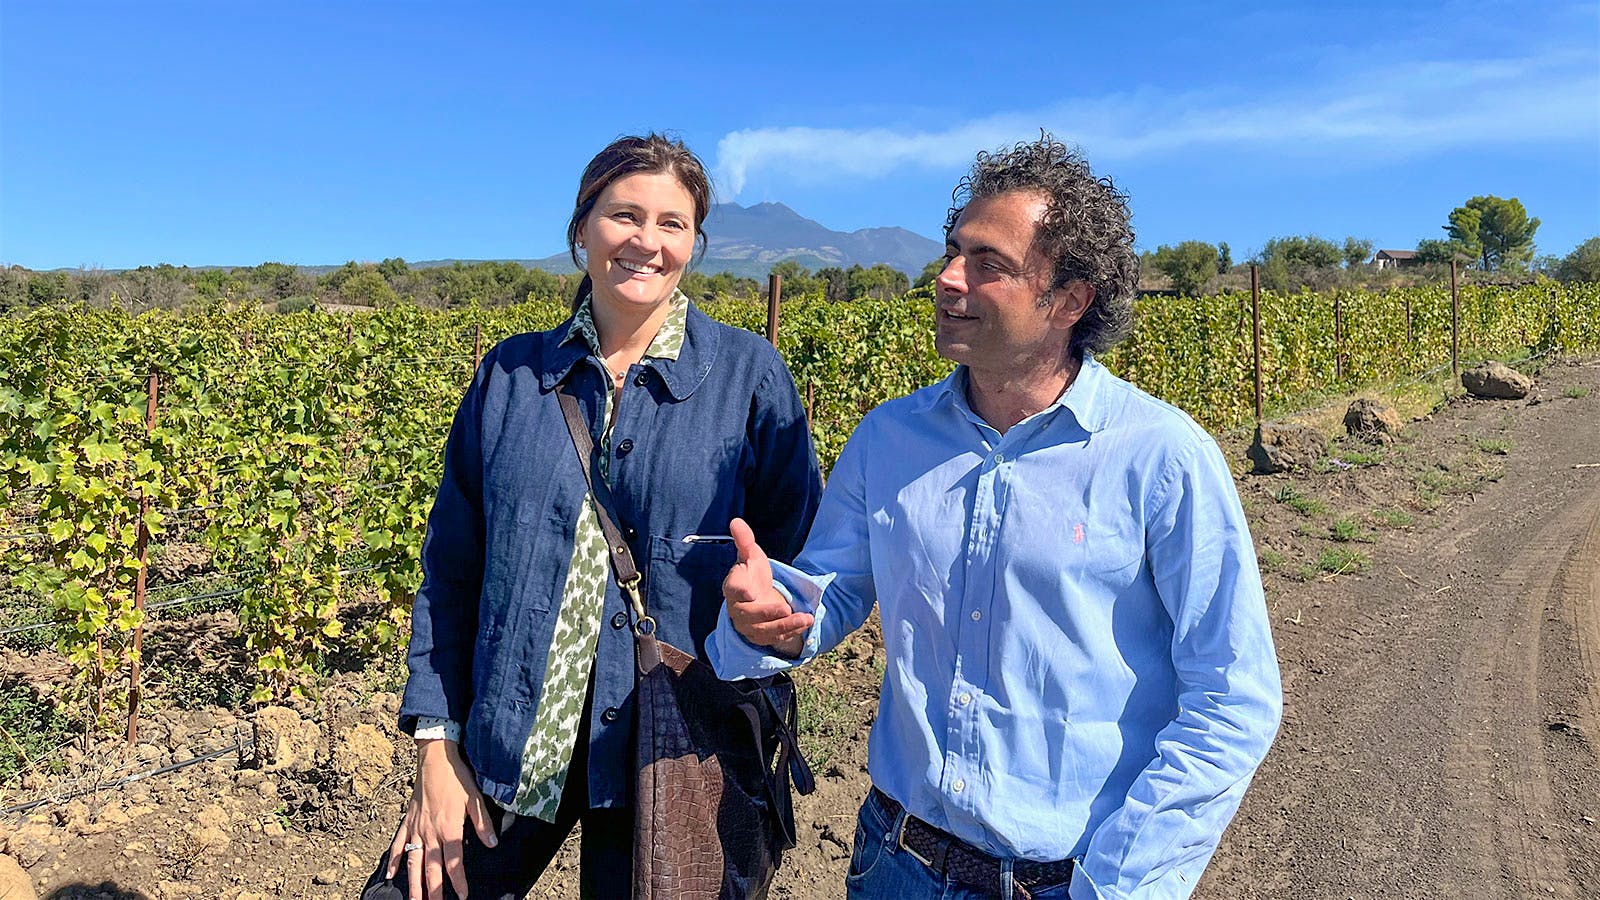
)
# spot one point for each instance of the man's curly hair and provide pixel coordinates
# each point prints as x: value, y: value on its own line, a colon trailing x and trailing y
x: 1085, y: 229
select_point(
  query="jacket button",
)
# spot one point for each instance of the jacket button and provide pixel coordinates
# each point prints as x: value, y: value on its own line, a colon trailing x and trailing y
x: 641, y: 380
x: 610, y: 715
x: 629, y: 533
x: 624, y: 448
x: 619, y: 620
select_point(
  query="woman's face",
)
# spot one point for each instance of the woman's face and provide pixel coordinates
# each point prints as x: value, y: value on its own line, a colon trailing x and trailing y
x: 639, y: 238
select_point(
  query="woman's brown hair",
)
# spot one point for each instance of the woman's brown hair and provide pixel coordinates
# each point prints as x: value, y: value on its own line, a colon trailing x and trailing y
x: 632, y: 155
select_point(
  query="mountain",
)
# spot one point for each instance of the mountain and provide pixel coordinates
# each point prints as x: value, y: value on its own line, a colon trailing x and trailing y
x: 749, y: 240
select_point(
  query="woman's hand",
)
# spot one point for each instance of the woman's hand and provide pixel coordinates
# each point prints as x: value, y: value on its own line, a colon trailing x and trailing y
x: 445, y: 796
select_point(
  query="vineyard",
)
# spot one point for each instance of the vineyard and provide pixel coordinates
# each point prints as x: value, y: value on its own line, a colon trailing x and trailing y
x: 297, y: 455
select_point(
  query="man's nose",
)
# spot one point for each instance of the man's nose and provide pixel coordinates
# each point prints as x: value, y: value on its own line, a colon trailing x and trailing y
x: 953, y: 277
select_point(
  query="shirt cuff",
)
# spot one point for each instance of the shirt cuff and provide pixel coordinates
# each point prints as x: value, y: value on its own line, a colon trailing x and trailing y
x: 433, y: 728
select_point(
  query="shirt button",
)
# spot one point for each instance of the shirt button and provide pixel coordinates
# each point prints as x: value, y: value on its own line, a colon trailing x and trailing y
x: 624, y: 447
x: 965, y: 698
x: 619, y: 620
x: 640, y: 379
x: 999, y: 457
x: 610, y: 715
x: 976, y: 615
x: 959, y: 786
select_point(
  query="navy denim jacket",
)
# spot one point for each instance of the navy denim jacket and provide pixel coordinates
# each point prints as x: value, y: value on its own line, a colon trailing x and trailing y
x: 717, y: 433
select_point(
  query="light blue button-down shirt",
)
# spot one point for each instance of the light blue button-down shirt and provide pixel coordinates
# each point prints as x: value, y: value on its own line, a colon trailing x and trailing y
x: 1079, y: 662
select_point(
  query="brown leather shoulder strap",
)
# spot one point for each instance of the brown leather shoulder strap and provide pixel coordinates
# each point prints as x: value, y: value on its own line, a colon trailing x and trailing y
x: 621, y: 557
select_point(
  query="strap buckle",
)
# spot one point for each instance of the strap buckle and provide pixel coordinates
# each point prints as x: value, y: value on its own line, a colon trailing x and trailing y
x: 900, y: 839
x: 643, y: 624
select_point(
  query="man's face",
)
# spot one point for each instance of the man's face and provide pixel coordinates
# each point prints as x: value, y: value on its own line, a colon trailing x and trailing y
x: 989, y: 311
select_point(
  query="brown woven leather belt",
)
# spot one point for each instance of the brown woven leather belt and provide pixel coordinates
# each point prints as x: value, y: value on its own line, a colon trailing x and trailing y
x: 949, y: 855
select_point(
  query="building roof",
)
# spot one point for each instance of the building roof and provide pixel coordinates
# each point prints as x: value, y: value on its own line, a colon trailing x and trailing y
x: 1398, y: 254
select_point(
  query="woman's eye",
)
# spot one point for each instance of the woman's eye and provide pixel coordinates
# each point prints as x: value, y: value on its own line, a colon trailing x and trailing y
x: 625, y: 216
x: 674, y: 224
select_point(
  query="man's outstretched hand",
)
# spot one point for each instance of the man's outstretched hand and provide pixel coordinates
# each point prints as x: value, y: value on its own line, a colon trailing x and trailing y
x: 759, y: 613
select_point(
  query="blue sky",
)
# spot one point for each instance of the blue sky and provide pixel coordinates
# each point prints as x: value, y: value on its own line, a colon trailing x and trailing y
x: 312, y: 133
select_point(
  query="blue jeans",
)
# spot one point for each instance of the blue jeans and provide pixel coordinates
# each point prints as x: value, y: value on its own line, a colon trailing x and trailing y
x: 881, y: 870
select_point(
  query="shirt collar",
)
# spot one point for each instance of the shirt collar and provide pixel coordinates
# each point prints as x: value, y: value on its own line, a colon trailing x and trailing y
x: 667, y: 344
x: 1084, y: 397
x: 682, y: 352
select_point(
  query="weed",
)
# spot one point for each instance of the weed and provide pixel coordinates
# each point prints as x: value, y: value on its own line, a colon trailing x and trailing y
x: 1575, y: 393
x: 30, y: 731
x: 1496, y: 446
x: 1273, y: 561
x: 1359, y: 456
x: 826, y: 720
x: 1342, y: 561
x: 1300, y: 503
x: 1394, y: 518
x: 1345, y: 529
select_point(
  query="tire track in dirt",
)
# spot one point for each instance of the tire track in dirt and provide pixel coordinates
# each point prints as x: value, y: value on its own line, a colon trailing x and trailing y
x: 1515, y: 671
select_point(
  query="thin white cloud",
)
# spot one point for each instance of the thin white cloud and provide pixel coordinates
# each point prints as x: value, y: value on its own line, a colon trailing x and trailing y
x: 1398, y: 112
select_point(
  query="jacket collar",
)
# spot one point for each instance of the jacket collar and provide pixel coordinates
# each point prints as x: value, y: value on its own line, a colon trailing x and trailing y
x: 681, y: 376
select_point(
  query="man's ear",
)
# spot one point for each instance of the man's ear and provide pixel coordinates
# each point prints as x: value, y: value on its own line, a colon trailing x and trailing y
x: 1071, y: 301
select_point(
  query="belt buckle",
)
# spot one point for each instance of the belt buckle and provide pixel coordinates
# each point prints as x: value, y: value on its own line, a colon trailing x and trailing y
x: 900, y: 839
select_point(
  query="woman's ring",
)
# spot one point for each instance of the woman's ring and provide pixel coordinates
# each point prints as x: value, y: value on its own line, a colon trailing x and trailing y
x: 410, y: 847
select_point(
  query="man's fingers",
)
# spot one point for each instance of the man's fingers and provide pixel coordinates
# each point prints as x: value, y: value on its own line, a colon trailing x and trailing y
x: 744, y: 540
x: 775, y: 630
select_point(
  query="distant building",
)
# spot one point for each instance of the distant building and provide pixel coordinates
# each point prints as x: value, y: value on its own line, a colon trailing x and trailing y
x: 1396, y: 259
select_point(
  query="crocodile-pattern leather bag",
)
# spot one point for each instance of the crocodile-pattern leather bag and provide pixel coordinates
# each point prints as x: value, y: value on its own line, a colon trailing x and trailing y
x: 714, y: 759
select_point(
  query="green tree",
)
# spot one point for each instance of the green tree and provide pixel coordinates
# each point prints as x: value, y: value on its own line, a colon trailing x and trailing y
x: 1299, y: 252
x: 930, y: 272
x: 367, y: 288
x: 280, y: 280
x: 1495, y: 230
x: 1190, y: 265
x: 1356, y: 252
x: 881, y: 282
x: 1582, y: 264
x: 798, y: 281
x: 836, y: 284
x: 1224, y: 258
x: 46, y: 288
x: 393, y: 268
x: 1430, y: 250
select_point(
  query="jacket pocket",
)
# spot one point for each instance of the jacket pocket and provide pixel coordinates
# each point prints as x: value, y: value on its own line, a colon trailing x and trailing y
x: 684, y: 583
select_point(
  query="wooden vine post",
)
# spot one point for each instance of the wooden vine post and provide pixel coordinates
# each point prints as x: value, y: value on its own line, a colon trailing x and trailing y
x: 1338, y: 338
x: 141, y: 548
x: 774, y: 293
x: 1455, y: 324
x: 1255, y: 322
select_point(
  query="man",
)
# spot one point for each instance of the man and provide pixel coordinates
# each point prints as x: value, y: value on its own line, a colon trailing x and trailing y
x: 1080, y: 677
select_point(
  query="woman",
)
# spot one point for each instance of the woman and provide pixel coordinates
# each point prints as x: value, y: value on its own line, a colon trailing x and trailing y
x: 521, y: 657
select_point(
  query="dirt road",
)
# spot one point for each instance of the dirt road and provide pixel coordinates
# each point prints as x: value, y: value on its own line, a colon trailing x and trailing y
x: 1442, y: 711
